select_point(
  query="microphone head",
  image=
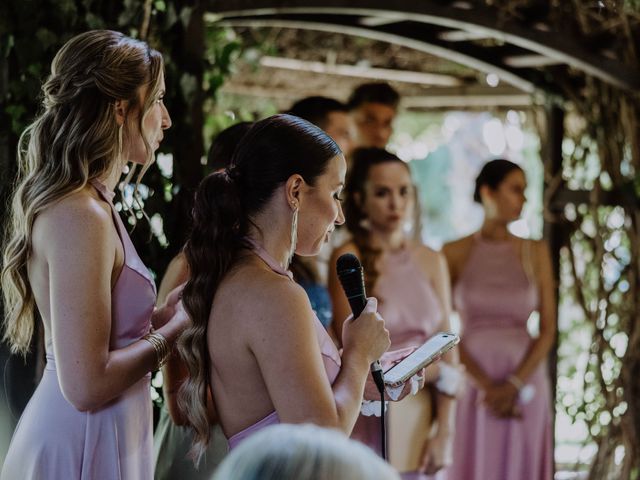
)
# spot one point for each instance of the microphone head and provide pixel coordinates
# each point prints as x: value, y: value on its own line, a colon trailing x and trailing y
x: 348, y: 261
x: 350, y: 274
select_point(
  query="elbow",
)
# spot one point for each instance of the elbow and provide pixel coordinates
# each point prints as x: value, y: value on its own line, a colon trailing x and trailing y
x: 83, y: 401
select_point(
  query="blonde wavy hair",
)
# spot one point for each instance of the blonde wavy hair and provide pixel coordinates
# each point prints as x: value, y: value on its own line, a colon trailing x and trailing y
x: 74, y: 139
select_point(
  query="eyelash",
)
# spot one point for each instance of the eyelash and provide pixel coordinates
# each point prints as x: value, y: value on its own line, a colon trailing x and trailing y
x: 338, y: 197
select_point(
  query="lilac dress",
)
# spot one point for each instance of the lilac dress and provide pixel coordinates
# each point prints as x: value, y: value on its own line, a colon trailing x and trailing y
x: 495, y: 298
x: 55, y: 441
x: 412, y: 313
x: 330, y: 354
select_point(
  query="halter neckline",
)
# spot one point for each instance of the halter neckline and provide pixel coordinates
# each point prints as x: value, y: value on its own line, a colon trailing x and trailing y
x: 271, y: 262
x: 102, y: 188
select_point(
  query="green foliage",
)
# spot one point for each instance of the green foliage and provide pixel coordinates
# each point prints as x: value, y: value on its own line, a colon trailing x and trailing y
x: 30, y: 34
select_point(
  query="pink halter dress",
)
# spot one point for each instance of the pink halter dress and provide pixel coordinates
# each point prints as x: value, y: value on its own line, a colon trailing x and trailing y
x: 330, y: 354
x: 412, y: 313
x: 54, y: 440
x: 495, y: 298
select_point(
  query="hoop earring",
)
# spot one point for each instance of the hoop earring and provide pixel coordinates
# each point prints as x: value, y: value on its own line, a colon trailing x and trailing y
x: 294, y: 233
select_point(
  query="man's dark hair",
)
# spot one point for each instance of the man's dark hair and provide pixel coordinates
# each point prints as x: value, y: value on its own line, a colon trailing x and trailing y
x: 317, y: 109
x: 374, y: 93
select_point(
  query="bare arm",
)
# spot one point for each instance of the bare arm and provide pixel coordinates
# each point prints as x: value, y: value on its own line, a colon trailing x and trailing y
x: 80, y: 252
x: 442, y: 287
x: 294, y: 372
x: 438, y: 450
x: 539, y: 348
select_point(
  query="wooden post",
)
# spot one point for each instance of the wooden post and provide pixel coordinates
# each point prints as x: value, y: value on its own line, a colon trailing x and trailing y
x: 554, y: 232
x: 188, y: 54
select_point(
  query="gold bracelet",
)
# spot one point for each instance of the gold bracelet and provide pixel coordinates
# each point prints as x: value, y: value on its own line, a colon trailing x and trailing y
x: 160, y: 345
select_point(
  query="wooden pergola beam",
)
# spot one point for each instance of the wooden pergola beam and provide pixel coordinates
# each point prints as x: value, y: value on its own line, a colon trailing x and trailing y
x: 480, y: 20
x: 506, y: 75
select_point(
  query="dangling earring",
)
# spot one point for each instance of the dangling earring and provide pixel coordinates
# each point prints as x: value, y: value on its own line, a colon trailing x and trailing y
x: 365, y: 224
x: 294, y: 232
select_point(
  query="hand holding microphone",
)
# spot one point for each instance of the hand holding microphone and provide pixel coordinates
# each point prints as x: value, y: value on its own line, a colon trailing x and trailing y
x: 367, y: 334
x: 365, y: 331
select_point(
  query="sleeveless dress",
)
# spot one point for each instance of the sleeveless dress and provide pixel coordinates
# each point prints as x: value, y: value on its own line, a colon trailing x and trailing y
x: 495, y: 298
x: 412, y: 313
x: 330, y: 355
x: 55, y: 441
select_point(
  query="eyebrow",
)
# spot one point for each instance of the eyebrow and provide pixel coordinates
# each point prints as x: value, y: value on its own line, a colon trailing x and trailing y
x: 384, y: 185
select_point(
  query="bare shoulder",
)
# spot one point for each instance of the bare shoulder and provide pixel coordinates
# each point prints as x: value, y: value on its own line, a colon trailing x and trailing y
x: 432, y: 261
x: 426, y: 253
x: 540, y: 250
x: 274, y: 298
x: 458, y: 248
x: 540, y: 245
x: 179, y: 264
x: 76, y: 219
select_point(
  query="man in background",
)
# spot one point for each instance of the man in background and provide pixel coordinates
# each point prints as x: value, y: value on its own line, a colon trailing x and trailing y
x: 331, y: 116
x: 373, y: 108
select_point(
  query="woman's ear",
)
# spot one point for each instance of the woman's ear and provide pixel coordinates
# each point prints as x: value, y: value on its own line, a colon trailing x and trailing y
x: 485, y: 194
x: 293, y: 187
x: 120, y: 108
x: 488, y: 201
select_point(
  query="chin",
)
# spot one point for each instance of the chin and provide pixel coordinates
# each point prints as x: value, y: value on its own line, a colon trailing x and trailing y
x: 310, y: 250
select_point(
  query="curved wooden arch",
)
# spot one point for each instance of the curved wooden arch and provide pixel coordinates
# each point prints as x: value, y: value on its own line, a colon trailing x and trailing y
x: 409, y: 22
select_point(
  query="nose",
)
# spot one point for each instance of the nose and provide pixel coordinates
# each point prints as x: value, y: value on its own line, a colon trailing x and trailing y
x: 340, y: 218
x: 395, y: 201
x: 166, y: 118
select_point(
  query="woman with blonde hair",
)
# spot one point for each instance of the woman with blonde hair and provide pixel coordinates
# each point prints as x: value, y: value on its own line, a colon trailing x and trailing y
x: 69, y: 258
x: 303, y: 452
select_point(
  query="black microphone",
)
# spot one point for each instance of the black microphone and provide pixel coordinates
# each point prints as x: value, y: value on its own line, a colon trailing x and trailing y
x: 351, y: 278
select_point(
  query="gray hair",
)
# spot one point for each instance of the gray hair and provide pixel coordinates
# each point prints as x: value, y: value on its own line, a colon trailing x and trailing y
x: 303, y: 452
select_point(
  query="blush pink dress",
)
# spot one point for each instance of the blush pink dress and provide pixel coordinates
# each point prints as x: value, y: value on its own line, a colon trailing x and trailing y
x: 412, y: 313
x: 330, y: 355
x: 55, y: 441
x: 495, y: 298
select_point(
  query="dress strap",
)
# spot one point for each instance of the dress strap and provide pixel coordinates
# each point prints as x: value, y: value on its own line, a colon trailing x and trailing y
x: 271, y: 262
x: 102, y: 189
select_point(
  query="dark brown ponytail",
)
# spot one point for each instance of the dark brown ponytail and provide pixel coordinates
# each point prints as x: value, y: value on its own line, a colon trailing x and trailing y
x: 225, y: 204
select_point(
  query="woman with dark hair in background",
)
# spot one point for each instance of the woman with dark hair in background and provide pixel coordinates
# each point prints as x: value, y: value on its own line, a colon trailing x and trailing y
x: 70, y: 258
x: 172, y: 440
x: 504, y: 416
x: 255, y: 340
x: 412, y: 284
